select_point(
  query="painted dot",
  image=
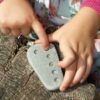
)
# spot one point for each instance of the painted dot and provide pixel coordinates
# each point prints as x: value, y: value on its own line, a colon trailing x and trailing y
x: 51, y: 64
x: 56, y: 79
x: 35, y: 51
x: 48, y: 55
x: 54, y: 71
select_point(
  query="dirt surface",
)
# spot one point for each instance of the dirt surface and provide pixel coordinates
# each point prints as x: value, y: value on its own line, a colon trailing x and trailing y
x: 18, y: 81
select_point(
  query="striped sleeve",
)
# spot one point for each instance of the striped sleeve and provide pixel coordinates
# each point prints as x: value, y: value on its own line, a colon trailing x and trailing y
x: 94, y: 4
x: 1, y: 1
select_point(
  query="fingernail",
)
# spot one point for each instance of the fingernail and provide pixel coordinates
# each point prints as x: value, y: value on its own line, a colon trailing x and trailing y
x: 46, y: 48
x: 71, y: 85
x: 62, y: 89
x: 82, y: 81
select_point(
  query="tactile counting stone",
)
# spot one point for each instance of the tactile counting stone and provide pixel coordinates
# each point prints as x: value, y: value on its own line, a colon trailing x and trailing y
x: 44, y: 64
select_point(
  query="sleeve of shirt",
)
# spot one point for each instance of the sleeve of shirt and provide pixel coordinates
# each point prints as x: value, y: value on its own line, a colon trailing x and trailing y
x: 94, y: 4
x: 1, y: 1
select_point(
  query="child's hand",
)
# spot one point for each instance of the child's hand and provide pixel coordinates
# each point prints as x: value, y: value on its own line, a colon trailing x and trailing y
x: 17, y: 17
x: 76, y: 42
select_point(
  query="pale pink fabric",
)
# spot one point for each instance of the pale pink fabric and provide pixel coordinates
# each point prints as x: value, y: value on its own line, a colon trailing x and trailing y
x: 1, y: 1
x: 95, y: 4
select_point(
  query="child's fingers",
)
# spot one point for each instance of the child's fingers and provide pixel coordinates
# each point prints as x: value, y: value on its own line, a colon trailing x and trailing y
x: 16, y: 32
x: 37, y: 27
x: 25, y: 30
x: 69, y: 57
x: 4, y: 29
x: 69, y: 75
x: 88, y: 68
x: 81, y: 68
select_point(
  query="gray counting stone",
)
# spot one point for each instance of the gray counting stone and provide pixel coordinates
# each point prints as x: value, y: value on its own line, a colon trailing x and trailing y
x: 44, y: 64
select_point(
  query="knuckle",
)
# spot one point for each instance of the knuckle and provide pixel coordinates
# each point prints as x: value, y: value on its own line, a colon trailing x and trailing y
x: 13, y: 25
x: 28, y: 22
x: 24, y: 22
x: 72, y: 57
x: 3, y: 22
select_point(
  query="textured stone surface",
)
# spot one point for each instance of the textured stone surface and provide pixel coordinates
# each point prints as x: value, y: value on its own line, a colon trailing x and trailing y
x: 18, y: 81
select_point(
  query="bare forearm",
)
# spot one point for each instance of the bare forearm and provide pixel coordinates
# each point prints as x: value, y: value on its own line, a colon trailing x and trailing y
x: 88, y: 19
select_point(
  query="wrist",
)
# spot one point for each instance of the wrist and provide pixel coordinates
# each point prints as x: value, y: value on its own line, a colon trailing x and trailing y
x: 88, y: 19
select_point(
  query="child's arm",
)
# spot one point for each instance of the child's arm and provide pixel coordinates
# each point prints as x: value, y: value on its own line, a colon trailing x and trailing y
x: 76, y: 42
x: 17, y: 17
